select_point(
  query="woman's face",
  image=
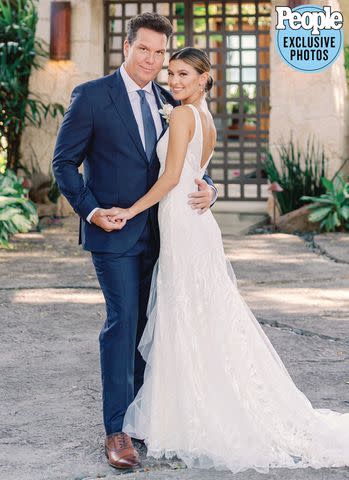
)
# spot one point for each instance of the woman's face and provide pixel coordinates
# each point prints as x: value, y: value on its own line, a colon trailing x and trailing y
x: 184, y: 81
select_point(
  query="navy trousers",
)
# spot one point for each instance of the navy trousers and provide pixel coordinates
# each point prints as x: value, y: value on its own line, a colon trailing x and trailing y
x: 125, y: 282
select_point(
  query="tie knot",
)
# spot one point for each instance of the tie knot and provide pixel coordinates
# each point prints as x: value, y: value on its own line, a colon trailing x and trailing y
x: 141, y: 93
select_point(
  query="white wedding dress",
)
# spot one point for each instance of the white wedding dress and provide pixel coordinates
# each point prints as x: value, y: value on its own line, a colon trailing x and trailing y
x: 216, y: 393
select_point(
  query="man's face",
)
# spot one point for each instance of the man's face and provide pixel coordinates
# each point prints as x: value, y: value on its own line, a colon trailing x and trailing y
x: 145, y: 57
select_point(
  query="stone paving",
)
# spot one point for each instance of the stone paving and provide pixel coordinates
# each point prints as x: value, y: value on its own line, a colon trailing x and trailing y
x: 51, y: 311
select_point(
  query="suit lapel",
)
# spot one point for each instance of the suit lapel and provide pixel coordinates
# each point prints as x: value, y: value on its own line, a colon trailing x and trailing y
x: 119, y: 96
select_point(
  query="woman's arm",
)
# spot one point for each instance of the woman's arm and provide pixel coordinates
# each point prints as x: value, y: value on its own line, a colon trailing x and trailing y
x: 181, y: 129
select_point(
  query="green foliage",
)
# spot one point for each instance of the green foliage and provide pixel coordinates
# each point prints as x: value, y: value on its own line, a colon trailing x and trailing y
x: 332, y: 207
x: 248, y: 107
x: 299, y: 174
x: 20, y: 51
x: 3, y: 162
x: 17, y: 213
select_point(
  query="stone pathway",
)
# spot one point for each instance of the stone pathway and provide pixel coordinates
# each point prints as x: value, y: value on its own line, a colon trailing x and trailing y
x: 334, y: 245
x: 51, y: 311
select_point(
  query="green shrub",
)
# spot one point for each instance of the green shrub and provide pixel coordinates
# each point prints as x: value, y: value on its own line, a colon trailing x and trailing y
x: 20, y: 52
x: 332, y: 207
x: 17, y: 212
x: 3, y: 162
x: 299, y: 174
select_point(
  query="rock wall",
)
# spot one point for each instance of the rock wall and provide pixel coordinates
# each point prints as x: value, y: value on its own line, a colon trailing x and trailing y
x: 55, y: 82
x: 310, y: 105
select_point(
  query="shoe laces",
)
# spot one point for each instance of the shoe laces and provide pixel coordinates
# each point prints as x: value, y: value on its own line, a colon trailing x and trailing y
x: 122, y: 441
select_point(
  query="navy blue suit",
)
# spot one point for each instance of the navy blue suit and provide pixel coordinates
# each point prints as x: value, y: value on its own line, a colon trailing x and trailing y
x: 100, y: 131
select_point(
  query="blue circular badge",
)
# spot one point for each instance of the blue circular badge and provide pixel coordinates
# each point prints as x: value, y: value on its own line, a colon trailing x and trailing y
x: 309, y: 45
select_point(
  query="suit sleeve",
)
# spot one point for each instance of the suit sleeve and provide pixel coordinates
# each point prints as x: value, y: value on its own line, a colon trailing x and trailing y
x: 72, y: 144
x: 210, y: 182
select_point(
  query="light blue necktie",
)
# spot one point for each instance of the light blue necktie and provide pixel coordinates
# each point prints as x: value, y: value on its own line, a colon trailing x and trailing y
x: 149, y: 125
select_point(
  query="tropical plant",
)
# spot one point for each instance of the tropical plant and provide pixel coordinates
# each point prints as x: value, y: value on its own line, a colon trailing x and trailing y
x: 299, y: 173
x: 20, y: 52
x: 3, y: 162
x: 332, y: 207
x: 17, y: 212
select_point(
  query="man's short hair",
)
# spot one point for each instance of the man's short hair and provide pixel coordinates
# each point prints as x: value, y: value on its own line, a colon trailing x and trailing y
x: 152, y: 21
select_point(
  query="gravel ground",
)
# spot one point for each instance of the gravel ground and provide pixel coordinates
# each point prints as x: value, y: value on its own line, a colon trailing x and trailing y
x: 51, y: 311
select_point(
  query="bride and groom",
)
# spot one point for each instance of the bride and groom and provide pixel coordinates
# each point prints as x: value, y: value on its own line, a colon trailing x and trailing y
x: 185, y: 364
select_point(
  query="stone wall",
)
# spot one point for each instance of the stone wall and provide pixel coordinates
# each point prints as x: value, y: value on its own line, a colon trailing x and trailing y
x: 310, y: 105
x: 344, y: 7
x: 58, y: 78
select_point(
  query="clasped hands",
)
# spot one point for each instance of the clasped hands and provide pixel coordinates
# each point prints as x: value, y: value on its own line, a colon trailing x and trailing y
x: 115, y: 218
x: 108, y: 219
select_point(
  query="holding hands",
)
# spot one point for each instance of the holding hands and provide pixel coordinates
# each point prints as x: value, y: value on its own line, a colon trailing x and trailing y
x: 106, y: 218
x: 115, y: 218
x: 122, y: 214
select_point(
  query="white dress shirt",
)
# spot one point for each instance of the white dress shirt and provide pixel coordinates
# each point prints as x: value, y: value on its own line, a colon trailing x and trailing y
x: 135, y: 100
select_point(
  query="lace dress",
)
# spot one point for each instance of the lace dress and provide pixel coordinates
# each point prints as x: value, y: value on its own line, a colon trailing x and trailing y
x: 216, y: 393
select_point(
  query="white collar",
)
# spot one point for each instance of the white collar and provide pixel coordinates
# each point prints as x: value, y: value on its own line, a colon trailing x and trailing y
x: 131, y: 85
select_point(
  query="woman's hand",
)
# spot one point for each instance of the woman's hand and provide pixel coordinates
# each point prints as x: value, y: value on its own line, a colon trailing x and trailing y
x: 119, y: 216
x: 123, y: 214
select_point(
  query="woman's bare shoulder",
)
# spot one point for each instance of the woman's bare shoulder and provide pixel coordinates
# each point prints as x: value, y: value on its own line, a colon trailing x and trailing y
x: 182, y: 114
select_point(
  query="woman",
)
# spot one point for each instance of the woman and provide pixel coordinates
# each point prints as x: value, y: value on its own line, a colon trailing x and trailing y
x: 216, y: 393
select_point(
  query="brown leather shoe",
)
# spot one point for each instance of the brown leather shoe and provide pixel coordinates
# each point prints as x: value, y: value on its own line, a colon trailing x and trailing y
x: 120, y: 452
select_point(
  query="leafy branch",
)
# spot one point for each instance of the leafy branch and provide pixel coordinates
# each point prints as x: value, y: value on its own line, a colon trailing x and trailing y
x: 20, y: 52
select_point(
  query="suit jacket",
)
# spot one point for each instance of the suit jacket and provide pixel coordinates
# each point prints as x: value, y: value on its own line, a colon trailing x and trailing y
x: 100, y: 130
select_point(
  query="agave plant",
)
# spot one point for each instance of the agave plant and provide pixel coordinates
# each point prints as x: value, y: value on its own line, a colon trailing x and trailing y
x: 20, y: 52
x: 17, y: 212
x: 332, y: 207
x: 298, y: 173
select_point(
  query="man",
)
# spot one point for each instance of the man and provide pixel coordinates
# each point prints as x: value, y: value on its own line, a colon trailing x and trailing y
x: 112, y: 125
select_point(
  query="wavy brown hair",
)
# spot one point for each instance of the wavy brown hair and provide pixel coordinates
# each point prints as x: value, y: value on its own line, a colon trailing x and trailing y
x: 152, y: 21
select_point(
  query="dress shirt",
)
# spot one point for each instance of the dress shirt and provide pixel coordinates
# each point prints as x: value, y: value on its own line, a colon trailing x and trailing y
x: 132, y: 87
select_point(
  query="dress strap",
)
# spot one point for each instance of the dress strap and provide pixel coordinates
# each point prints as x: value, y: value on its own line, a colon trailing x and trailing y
x: 198, y: 128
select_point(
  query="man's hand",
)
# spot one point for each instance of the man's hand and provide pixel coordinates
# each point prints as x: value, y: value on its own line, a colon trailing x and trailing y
x: 105, y: 219
x: 202, y: 199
